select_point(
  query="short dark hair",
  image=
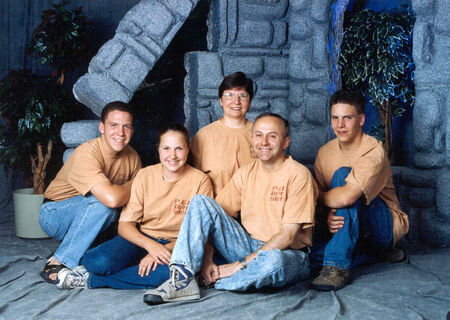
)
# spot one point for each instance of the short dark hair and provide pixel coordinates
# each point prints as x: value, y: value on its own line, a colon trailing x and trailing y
x: 352, y: 97
x: 173, y: 126
x: 113, y: 106
x: 284, y: 121
x: 236, y: 80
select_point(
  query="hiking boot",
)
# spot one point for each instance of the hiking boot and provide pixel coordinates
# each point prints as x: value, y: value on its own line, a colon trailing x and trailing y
x: 179, y: 287
x: 396, y: 255
x: 70, y: 279
x: 331, y: 279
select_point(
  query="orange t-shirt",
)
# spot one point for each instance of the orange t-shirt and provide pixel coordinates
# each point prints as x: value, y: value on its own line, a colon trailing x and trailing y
x: 268, y: 199
x: 90, y: 164
x: 219, y: 151
x: 371, y: 172
x: 158, y: 206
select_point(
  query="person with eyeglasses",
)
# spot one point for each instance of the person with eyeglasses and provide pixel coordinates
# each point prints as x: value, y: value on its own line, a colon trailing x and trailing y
x: 222, y: 147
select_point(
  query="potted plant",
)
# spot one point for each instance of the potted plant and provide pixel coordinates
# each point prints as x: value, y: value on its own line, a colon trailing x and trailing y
x: 376, y: 58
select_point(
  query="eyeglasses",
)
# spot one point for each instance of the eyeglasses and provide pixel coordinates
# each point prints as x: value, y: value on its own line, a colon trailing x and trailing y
x: 231, y: 96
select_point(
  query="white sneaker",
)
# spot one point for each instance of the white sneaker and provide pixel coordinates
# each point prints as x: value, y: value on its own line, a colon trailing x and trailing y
x: 179, y: 287
x: 70, y: 279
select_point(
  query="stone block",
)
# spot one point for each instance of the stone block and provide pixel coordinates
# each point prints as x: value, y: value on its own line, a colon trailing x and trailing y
x: 428, y: 109
x: 251, y: 66
x: 442, y: 18
x: 301, y: 28
x: 276, y: 67
x: 414, y: 217
x: 255, y: 33
x: 423, y: 137
x: 316, y: 109
x: 430, y: 160
x: 434, y: 229
x: 423, y: 7
x: 96, y: 90
x: 422, y: 197
x: 299, y: 6
x: 423, y: 43
x: 296, y: 93
x: 208, y: 93
x: 67, y: 154
x: 272, y: 93
x: 152, y: 17
x: 181, y: 8
x: 142, y: 46
x: 438, y: 70
x: 259, y: 105
x: 305, y: 142
x: 439, y: 139
x: 205, y: 68
x: 203, y: 103
x: 320, y: 47
x: 280, y: 31
x: 297, y: 115
x: 106, y: 56
x: 277, y: 84
x: 320, y: 10
x: 418, y: 178
x: 270, y: 10
x: 300, y: 63
x: 129, y: 71
x: 75, y: 133
x: 443, y: 192
x: 203, y: 117
x: 280, y: 106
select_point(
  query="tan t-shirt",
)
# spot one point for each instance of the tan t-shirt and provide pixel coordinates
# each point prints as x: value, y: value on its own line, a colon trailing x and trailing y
x: 268, y: 199
x: 219, y: 151
x: 90, y: 164
x: 371, y: 172
x: 158, y: 206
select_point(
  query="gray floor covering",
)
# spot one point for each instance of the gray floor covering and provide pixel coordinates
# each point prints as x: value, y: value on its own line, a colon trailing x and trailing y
x: 416, y: 289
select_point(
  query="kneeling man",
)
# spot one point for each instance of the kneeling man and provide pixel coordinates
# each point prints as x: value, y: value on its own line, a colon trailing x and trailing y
x: 355, y: 181
x: 276, y: 198
x: 83, y: 199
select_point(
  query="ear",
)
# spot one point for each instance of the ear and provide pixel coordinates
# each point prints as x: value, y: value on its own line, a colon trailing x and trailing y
x: 362, y: 119
x: 286, y: 142
x: 101, y: 127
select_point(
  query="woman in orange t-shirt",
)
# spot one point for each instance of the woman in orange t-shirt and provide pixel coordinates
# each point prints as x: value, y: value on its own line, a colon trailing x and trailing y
x: 149, y: 224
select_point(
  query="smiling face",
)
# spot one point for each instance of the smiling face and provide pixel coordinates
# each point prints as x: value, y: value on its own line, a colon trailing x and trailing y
x: 173, y: 153
x: 117, y: 129
x: 235, y: 103
x: 269, y: 141
x: 347, y: 124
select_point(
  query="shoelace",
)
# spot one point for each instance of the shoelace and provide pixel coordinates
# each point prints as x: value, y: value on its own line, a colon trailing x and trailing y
x: 326, y: 271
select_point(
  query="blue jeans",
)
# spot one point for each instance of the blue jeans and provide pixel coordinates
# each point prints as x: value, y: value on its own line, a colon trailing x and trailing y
x: 115, y: 264
x: 204, y: 220
x: 76, y: 222
x: 367, y: 231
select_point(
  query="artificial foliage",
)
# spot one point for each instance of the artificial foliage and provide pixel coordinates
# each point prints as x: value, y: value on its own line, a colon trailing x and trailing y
x: 61, y: 38
x: 34, y: 109
x: 376, y: 58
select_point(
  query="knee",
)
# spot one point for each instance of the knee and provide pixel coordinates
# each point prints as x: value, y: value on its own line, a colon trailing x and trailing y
x: 339, y: 176
x: 97, y: 263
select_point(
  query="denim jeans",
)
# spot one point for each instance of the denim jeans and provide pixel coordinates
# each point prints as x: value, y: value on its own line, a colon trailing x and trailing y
x: 204, y: 220
x: 115, y: 264
x: 76, y: 222
x: 366, y: 233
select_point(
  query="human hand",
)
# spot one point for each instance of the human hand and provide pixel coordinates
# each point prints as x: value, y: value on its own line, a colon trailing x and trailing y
x: 159, y: 252
x: 227, y: 270
x: 334, y: 222
x: 147, y: 264
x: 209, y: 273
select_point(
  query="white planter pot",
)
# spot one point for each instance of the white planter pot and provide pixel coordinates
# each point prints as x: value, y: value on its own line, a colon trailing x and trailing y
x: 26, y: 214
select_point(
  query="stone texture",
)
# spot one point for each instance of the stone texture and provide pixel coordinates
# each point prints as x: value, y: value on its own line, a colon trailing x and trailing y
x: 414, y: 216
x: 429, y: 160
x: 67, y: 154
x: 268, y: 10
x: 434, y: 230
x: 422, y: 197
x: 443, y: 192
x: 320, y: 10
x: 316, y: 111
x: 276, y: 67
x: 306, y: 141
x: 300, y: 29
x: 255, y: 33
x: 418, y: 178
x: 251, y: 66
x: 75, y: 133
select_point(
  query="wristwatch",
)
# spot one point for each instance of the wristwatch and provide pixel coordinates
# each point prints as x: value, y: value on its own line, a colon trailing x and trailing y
x: 243, y: 263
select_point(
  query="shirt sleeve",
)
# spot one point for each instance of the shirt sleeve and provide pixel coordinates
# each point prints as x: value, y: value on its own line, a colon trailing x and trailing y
x: 134, y: 209
x: 318, y: 172
x: 230, y: 196
x: 206, y: 187
x: 370, y: 173
x: 301, y: 201
x: 86, y: 172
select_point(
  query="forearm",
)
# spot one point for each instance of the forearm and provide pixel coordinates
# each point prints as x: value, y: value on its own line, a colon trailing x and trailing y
x: 113, y: 195
x: 340, y: 197
x: 130, y: 232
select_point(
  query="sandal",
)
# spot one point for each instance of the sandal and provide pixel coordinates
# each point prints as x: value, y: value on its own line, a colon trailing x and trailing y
x: 50, y: 269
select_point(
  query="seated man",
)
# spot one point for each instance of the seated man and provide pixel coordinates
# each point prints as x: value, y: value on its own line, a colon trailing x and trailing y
x: 83, y: 198
x: 355, y: 181
x: 276, y: 197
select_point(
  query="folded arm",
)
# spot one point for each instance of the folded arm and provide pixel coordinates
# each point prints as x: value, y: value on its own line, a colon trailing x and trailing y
x: 112, y: 195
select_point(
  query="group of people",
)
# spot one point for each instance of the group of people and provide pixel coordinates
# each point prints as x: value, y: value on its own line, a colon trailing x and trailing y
x: 245, y: 215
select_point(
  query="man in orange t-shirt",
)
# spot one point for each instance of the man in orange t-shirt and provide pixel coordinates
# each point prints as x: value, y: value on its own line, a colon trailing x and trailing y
x: 355, y: 181
x: 276, y: 197
x: 84, y: 197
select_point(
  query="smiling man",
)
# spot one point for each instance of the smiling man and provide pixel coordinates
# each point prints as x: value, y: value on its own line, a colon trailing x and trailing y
x: 85, y: 196
x: 355, y: 181
x: 275, y: 197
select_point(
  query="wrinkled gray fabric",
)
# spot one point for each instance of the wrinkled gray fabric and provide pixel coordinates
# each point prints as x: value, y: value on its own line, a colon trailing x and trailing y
x: 415, y: 290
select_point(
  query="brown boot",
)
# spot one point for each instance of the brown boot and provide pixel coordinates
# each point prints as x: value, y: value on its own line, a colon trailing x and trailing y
x: 331, y: 279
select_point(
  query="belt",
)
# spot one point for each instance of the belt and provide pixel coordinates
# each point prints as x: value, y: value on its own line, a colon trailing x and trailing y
x: 46, y: 200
